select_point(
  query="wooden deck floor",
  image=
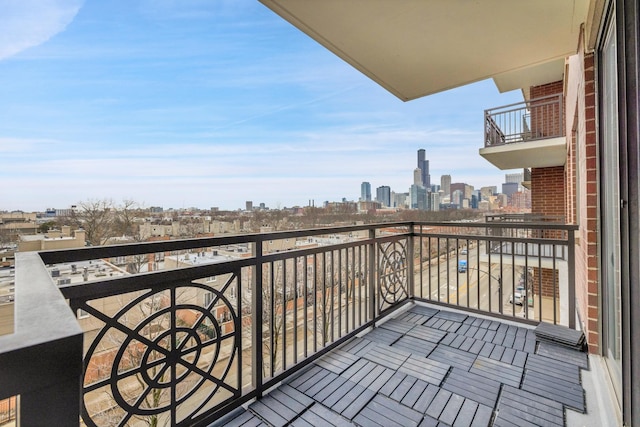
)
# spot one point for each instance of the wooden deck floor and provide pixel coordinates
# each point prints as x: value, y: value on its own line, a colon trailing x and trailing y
x: 431, y: 367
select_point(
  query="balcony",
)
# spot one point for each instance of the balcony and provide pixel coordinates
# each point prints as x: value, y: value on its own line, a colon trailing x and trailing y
x: 529, y: 134
x: 414, y: 322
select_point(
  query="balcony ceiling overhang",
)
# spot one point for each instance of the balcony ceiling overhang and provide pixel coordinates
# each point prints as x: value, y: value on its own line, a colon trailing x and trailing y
x: 551, y: 71
x: 541, y: 153
x: 415, y: 48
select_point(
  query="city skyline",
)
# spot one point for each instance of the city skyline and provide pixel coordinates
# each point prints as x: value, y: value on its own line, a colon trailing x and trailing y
x: 200, y: 104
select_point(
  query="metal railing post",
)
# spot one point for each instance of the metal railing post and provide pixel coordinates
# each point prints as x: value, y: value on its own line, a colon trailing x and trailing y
x: 572, y: 277
x: 56, y: 405
x: 256, y: 310
x: 410, y: 261
x: 561, y: 113
x: 372, y: 274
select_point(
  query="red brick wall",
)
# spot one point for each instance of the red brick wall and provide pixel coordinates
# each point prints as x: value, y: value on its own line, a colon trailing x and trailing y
x: 582, y: 166
x: 546, y: 89
x: 549, y: 279
x: 548, y: 185
x: 546, y: 114
x: 548, y: 191
x: 589, y: 208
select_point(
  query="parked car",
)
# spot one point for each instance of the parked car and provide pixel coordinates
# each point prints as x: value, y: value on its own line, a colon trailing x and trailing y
x: 519, y: 296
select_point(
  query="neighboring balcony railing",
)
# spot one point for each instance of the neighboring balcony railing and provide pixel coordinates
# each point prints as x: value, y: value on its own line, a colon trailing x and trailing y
x: 525, y: 218
x: 181, y: 333
x: 527, y: 247
x: 539, y: 118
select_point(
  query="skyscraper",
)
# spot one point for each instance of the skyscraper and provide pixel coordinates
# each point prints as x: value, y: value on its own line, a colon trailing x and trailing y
x: 383, y: 195
x: 418, y: 195
x: 435, y: 201
x: 445, y: 184
x: 457, y: 197
x: 365, y: 191
x: 417, y: 176
x: 487, y: 192
x: 509, y: 188
x: 515, y: 178
x: 423, y: 165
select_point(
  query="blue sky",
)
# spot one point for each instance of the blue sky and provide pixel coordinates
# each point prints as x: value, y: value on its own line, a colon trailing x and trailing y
x: 181, y: 103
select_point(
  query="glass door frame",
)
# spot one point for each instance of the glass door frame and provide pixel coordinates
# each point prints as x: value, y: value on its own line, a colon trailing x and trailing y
x: 627, y: 27
x: 610, y: 212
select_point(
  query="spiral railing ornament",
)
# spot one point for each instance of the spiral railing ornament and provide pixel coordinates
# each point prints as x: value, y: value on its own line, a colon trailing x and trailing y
x: 162, y: 356
x: 392, y: 272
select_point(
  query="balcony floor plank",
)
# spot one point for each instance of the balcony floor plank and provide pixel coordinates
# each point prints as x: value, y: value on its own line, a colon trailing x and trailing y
x: 337, y: 361
x: 561, y: 353
x: 414, y: 345
x: 246, y: 419
x: 319, y: 415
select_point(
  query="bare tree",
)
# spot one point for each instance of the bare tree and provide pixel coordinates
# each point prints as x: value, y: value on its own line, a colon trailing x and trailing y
x: 102, y: 220
x: 96, y: 217
x: 191, y: 227
x: 125, y: 225
x: 5, y: 237
x: 124, y: 219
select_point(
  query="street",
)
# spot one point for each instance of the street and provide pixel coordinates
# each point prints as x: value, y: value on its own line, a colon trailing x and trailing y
x: 481, y: 285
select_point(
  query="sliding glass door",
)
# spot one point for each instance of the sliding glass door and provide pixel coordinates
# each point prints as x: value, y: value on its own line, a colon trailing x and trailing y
x: 610, y: 209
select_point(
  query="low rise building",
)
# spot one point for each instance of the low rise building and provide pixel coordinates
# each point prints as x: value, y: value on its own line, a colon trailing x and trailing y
x: 52, y: 240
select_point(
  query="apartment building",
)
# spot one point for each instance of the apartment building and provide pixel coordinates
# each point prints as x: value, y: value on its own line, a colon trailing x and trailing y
x: 54, y: 239
x: 15, y: 224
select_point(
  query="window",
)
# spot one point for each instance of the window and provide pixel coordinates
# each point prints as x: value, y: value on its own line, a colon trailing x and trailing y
x: 208, y: 298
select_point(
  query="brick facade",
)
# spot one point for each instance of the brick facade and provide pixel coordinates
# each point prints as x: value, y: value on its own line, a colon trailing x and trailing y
x: 582, y: 192
x: 546, y: 115
x: 548, y: 185
x: 548, y: 191
x: 588, y: 243
x: 550, y: 282
x: 553, y: 88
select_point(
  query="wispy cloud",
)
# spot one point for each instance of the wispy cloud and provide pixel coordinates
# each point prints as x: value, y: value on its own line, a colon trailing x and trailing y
x: 29, y: 23
x: 208, y: 103
x: 22, y: 146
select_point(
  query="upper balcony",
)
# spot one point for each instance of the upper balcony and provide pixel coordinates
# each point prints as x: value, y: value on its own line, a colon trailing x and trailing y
x: 528, y: 134
x: 190, y: 332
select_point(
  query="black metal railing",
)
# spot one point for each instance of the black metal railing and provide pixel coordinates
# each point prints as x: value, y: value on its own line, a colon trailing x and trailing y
x: 480, y: 267
x: 538, y: 118
x: 183, y: 335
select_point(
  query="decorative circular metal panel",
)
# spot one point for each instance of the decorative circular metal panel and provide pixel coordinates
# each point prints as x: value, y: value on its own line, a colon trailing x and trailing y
x: 392, y: 272
x: 158, y: 352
